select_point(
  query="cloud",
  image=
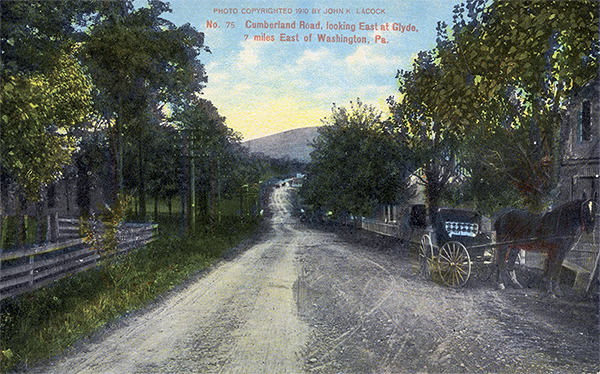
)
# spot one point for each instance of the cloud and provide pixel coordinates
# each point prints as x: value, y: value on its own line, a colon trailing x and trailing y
x: 249, y: 55
x: 309, y: 56
x: 263, y: 88
x: 369, y: 56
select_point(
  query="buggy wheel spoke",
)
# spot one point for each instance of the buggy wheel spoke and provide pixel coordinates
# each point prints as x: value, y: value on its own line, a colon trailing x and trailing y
x: 455, y: 264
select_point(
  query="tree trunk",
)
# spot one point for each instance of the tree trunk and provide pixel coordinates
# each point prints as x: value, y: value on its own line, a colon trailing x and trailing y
x: 141, y: 179
x: 433, y: 190
x: 211, y: 193
x: 192, y: 194
x: 155, y: 208
x: 21, y: 224
x: 119, y: 148
x: 113, y: 167
x: 83, y: 188
x: 184, y: 187
x: 40, y: 222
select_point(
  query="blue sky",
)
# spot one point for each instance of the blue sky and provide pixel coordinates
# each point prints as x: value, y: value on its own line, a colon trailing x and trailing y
x: 265, y: 87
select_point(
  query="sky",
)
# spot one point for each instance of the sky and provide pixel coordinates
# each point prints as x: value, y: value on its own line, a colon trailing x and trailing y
x: 264, y: 82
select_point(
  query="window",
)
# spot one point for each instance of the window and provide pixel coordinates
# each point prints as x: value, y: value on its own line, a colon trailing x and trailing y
x: 585, y: 185
x: 585, y: 124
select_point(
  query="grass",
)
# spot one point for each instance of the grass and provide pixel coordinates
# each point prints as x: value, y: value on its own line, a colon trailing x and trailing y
x: 45, y: 322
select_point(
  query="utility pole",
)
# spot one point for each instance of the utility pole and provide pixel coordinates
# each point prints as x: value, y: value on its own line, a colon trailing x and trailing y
x: 192, y: 204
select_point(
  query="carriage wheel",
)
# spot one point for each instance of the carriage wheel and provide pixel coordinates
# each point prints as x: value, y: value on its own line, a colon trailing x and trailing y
x: 486, y: 266
x: 455, y: 264
x: 425, y: 256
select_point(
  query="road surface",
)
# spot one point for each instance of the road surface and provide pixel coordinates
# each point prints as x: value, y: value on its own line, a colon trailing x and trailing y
x: 308, y: 299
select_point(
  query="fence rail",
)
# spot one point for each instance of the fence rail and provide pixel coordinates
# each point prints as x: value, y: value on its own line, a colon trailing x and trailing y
x: 31, y: 268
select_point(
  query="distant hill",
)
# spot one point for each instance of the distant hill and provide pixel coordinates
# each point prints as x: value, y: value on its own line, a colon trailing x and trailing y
x: 293, y: 144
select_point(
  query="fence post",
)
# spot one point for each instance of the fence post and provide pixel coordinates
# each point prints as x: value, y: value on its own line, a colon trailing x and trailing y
x: 52, y: 232
x: 32, y: 271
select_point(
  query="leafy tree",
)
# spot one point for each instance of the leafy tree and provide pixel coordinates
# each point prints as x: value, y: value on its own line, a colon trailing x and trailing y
x: 356, y: 163
x: 208, y: 148
x: 431, y: 131
x: 526, y: 59
x: 156, y: 168
x: 138, y: 62
x: 90, y: 167
x: 38, y: 112
x: 35, y: 34
x: 489, y: 98
x: 45, y: 93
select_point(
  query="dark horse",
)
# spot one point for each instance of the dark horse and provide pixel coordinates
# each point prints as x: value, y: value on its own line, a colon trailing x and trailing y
x: 553, y: 233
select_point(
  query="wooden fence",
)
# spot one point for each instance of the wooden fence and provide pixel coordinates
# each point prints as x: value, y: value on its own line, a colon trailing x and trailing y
x: 27, y: 269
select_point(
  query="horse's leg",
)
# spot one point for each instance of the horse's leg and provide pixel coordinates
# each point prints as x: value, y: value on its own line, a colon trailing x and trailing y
x: 501, y: 252
x: 556, y: 272
x: 550, y: 272
x: 510, y: 267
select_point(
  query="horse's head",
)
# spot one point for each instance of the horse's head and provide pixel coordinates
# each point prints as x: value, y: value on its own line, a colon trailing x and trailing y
x: 587, y: 215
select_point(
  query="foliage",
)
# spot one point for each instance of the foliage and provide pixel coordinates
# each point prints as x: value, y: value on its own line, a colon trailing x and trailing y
x: 38, y: 113
x: 104, y: 239
x: 424, y: 117
x: 356, y: 163
x: 35, y: 34
x: 210, y: 149
x: 530, y: 57
x: 44, y: 90
x: 139, y: 62
x: 489, y: 98
x: 31, y: 234
x: 164, y: 164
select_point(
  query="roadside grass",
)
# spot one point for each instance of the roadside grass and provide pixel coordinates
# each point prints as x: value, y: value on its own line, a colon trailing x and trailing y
x: 45, y: 322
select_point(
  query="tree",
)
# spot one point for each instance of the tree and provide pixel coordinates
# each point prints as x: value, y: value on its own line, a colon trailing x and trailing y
x: 139, y: 62
x: 45, y: 93
x: 526, y: 59
x: 431, y: 131
x: 208, y: 148
x: 356, y: 163
x: 489, y: 97
x: 35, y: 34
x: 161, y: 166
x: 38, y: 113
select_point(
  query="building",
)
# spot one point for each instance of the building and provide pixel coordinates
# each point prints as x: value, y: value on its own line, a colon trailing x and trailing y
x: 580, y: 136
x: 579, y: 173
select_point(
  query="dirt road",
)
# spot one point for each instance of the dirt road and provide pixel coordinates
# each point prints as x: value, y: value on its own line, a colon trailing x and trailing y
x: 334, y: 300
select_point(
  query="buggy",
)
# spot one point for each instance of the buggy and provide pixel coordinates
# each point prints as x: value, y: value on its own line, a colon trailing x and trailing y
x: 456, y: 245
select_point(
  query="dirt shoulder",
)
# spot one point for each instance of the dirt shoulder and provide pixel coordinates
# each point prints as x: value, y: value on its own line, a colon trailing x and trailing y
x: 372, y: 313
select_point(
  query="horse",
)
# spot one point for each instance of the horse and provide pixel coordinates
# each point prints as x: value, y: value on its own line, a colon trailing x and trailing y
x: 553, y: 233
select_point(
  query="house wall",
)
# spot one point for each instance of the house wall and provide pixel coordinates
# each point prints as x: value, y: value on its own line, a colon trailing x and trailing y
x: 580, y: 166
x: 579, y: 175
